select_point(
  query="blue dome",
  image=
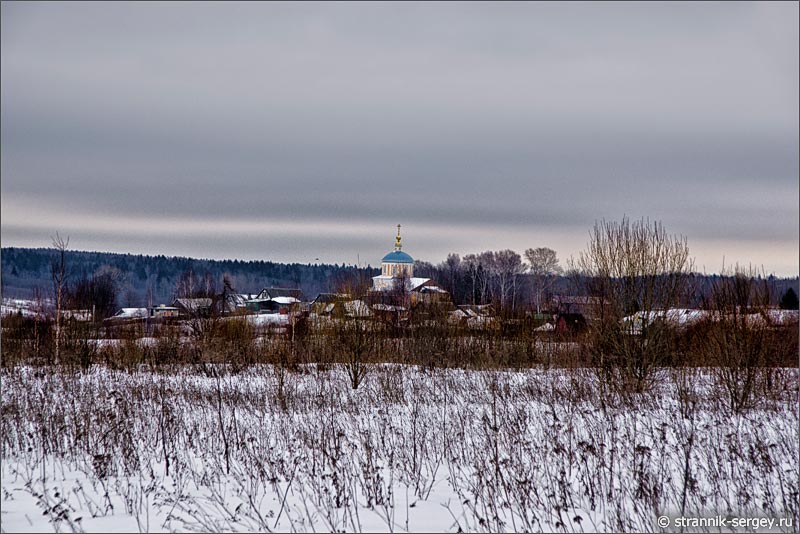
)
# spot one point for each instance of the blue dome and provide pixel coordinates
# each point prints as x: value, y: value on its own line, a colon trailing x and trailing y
x: 398, y: 256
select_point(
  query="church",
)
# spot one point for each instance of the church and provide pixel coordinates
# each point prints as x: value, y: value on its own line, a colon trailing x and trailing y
x: 398, y: 267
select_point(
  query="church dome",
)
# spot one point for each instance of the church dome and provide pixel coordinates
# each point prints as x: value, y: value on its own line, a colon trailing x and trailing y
x: 397, y: 256
x: 395, y: 264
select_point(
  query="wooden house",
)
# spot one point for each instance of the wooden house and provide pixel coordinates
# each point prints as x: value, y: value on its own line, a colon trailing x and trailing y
x: 197, y: 307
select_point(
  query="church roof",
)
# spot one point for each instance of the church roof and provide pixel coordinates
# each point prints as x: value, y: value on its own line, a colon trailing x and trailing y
x: 411, y: 283
x: 397, y: 256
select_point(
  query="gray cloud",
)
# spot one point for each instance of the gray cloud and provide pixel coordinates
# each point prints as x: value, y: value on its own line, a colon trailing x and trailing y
x: 525, y: 118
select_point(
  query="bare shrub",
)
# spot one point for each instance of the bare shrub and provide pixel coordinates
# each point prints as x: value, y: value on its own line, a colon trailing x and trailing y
x: 26, y: 340
x: 632, y: 267
x: 233, y: 339
x: 167, y: 347
x: 739, y: 341
x: 355, y: 339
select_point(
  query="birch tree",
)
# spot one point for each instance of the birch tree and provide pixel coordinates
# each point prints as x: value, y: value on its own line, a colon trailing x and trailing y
x: 543, y: 267
x: 58, y: 275
x: 507, y: 267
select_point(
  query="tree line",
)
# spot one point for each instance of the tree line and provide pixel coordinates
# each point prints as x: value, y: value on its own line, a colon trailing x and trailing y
x: 514, y: 283
x: 142, y: 279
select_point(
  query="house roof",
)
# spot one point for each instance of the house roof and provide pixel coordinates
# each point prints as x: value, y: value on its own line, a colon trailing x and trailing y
x: 330, y: 297
x: 432, y: 289
x: 236, y: 299
x: 417, y: 282
x: 474, y: 310
x: 130, y: 313
x: 577, y: 299
x: 285, y: 300
x: 193, y: 304
x: 411, y: 283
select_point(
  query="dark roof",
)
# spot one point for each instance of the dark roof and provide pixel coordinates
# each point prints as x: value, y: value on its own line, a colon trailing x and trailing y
x: 588, y: 306
x: 573, y: 299
x: 192, y: 304
x: 330, y: 297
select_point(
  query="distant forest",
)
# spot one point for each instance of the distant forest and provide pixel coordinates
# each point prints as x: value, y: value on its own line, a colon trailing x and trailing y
x: 139, y: 276
x: 141, y: 280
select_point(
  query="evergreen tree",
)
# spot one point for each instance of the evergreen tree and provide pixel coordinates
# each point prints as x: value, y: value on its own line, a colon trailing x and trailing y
x: 789, y: 300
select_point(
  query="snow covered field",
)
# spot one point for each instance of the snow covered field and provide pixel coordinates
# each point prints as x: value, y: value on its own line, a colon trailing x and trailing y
x: 198, y: 449
x: 28, y: 308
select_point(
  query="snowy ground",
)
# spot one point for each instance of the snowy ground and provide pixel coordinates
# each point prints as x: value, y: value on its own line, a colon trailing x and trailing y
x: 410, y: 450
x: 28, y: 308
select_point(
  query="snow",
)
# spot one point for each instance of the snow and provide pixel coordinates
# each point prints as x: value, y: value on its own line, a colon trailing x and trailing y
x: 412, y: 449
x: 284, y: 300
x: 783, y: 317
x: 387, y: 282
x: 32, y: 308
x: 432, y: 289
x: 268, y: 319
x: 481, y: 321
x: 10, y: 310
x: 387, y: 307
x: 415, y: 282
x: 131, y: 313
x: 28, y: 308
x: 685, y: 317
x: 356, y: 308
x: 78, y: 315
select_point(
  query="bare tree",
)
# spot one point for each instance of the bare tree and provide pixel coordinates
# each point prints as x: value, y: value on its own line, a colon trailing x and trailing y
x: 355, y: 283
x: 471, y: 264
x: 209, y: 285
x: 39, y: 310
x: 486, y: 272
x: 97, y: 293
x: 543, y: 266
x: 186, y: 285
x: 633, y: 268
x: 150, y: 292
x: 452, y: 269
x: 58, y: 274
x: 739, y: 338
x: 507, y: 267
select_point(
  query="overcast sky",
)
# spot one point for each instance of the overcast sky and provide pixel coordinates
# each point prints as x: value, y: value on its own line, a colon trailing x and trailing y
x: 297, y: 131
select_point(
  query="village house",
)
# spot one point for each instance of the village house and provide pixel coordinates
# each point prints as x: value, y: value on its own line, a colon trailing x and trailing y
x: 474, y: 315
x: 339, y: 305
x: 275, y: 300
x: 196, y: 307
x: 162, y: 311
x: 125, y: 315
x: 276, y: 292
